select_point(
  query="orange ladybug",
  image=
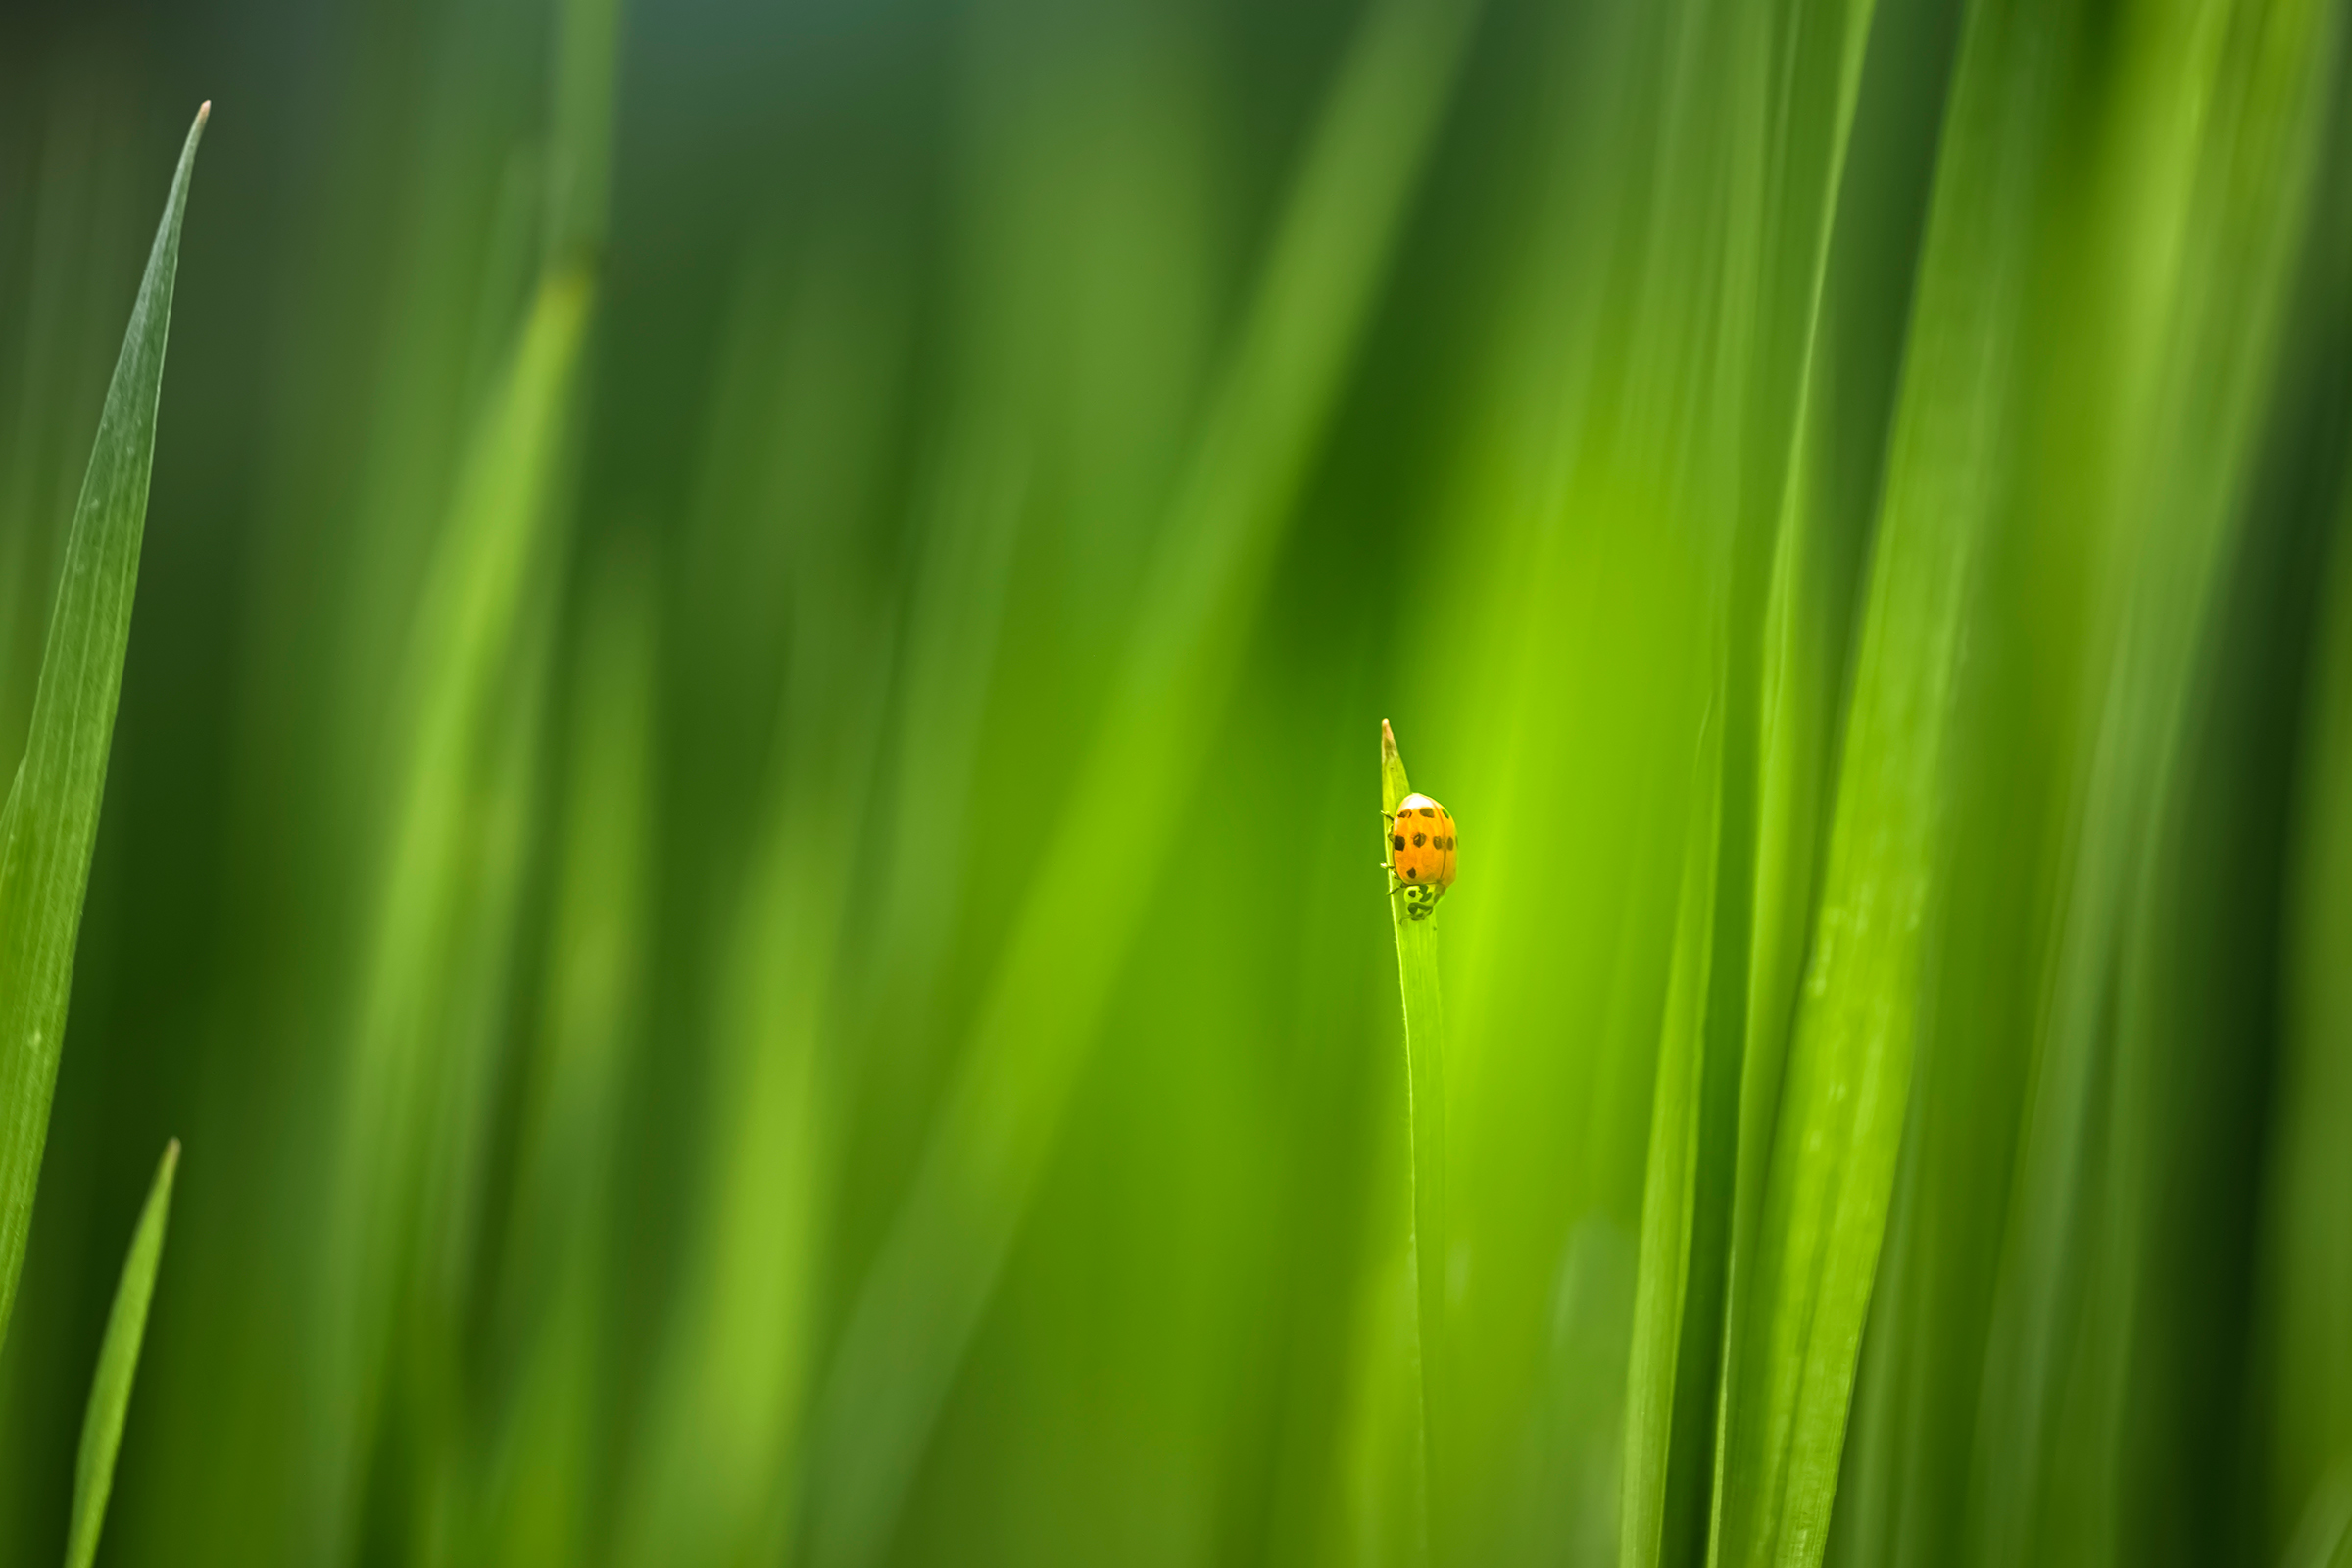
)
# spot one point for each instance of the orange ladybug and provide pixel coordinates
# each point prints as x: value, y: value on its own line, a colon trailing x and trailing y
x: 1420, y: 862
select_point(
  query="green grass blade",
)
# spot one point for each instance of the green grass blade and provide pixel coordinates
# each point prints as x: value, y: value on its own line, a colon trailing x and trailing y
x: 922, y: 1301
x: 117, y: 1365
x: 2223, y: 196
x: 1841, y: 1107
x: 1809, y: 608
x: 51, y: 821
x: 416, y: 1086
x: 1669, y: 1380
x: 1748, y: 852
x: 1424, y: 1101
x: 550, y: 1320
x: 719, y: 1461
x: 2308, y: 1266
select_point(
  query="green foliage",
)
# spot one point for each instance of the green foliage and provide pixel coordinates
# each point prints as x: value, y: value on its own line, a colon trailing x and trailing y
x: 908, y: 1332
x: 49, y: 827
x: 117, y: 1365
x: 740, y: 826
x: 419, y: 1089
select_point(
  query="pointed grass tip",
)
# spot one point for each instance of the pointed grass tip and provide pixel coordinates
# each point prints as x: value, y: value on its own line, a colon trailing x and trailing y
x: 1393, y: 786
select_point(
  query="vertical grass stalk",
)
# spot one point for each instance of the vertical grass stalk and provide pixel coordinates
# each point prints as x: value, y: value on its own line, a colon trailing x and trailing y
x: 1425, y: 1066
x: 117, y: 1364
x: 50, y: 826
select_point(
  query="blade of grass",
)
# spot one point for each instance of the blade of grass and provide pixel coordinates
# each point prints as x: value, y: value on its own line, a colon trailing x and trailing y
x: 551, y: 1318
x: 922, y: 1301
x: 1379, y: 1471
x: 1669, y: 1377
x: 2218, y: 200
x: 407, y: 1113
x: 1854, y: 361
x: 117, y: 1364
x: 50, y: 824
x: 1745, y: 883
x: 1809, y: 608
x: 717, y: 1472
x: 1425, y: 1103
x: 2308, y: 1266
x: 1830, y: 1168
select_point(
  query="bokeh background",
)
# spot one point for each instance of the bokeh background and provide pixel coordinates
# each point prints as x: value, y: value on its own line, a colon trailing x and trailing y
x: 741, y: 840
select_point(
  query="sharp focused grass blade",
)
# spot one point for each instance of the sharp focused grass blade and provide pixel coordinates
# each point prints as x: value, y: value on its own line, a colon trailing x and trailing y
x: 51, y: 821
x: 1424, y: 1101
x: 117, y: 1364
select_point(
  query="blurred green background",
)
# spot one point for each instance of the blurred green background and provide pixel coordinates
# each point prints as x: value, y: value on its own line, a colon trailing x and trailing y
x: 741, y: 833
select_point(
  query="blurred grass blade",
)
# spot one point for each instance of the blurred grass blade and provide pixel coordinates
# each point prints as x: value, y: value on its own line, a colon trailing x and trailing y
x: 719, y: 1456
x: 50, y: 824
x: 579, y: 158
x: 1808, y: 613
x: 1841, y: 1107
x: 1747, y: 858
x: 2322, y: 1536
x: 411, y: 1100
x: 2220, y: 199
x: 117, y: 1364
x: 1670, y: 1382
x: 1425, y: 1102
x: 923, y: 1299
x: 551, y: 1312
x: 1854, y: 364
x: 2308, y: 1266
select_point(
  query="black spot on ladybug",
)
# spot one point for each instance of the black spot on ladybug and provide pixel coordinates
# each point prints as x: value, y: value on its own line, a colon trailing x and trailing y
x: 1420, y: 839
x: 1399, y: 841
x: 1428, y: 811
x: 1414, y: 873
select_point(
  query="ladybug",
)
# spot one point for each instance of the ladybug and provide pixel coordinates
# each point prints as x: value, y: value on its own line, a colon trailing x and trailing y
x: 1420, y: 859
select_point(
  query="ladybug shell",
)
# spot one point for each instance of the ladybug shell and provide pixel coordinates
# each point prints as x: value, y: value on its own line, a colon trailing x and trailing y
x: 1421, y: 843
